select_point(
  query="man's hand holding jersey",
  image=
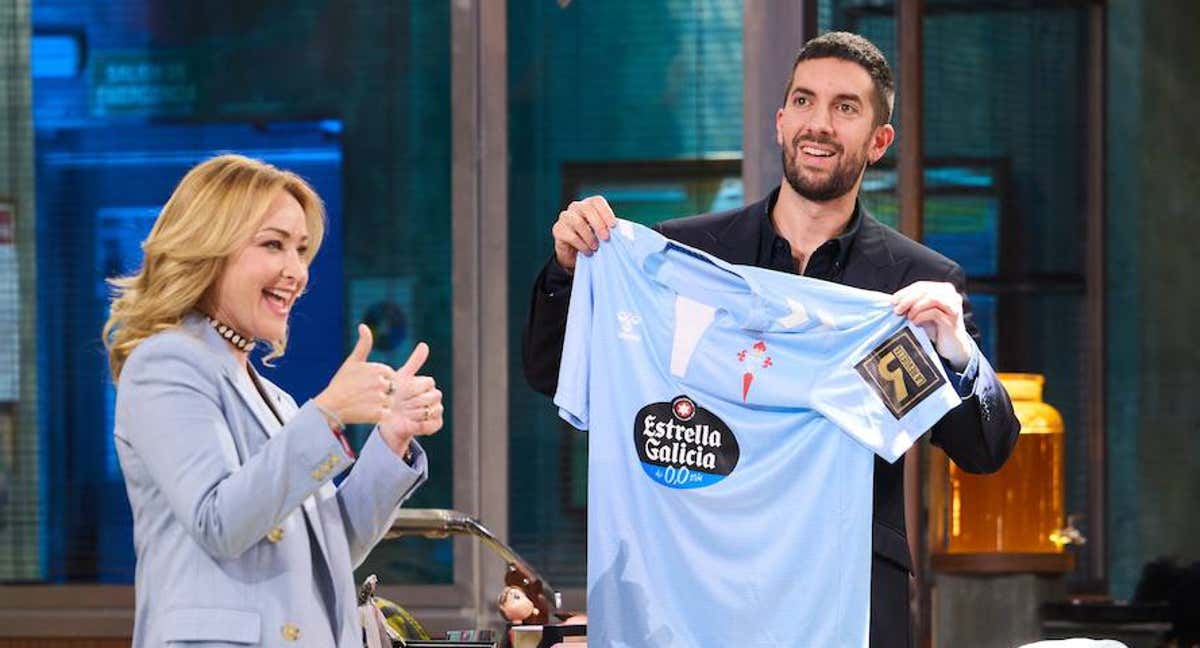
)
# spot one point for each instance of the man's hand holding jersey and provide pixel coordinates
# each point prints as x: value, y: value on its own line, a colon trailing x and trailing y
x: 580, y: 228
x: 937, y: 307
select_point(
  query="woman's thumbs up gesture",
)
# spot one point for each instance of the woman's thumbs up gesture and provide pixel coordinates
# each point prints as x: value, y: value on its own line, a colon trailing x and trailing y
x: 360, y: 391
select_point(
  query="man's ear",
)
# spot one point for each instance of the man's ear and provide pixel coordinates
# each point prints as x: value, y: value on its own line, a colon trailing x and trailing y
x: 880, y: 141
x: 779, y: 127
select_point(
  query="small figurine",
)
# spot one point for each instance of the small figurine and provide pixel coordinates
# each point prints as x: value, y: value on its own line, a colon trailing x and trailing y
x: 515, y: 605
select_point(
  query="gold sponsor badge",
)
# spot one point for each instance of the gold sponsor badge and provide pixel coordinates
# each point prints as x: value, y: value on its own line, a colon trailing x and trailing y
x: 900, y: 373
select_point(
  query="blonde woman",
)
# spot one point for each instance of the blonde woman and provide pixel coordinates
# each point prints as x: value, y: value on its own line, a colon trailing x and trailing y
x: 241, y: 536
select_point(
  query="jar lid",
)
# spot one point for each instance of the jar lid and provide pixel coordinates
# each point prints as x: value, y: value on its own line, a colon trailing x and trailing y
x: 1023, y: 386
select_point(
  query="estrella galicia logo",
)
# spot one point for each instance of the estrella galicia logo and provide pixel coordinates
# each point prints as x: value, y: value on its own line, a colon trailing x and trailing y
x: 683, y: 445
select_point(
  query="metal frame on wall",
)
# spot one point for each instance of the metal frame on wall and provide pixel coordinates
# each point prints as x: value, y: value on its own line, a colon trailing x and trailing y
x: 1097, y: 337
x: 911, y: 192
x: 17, y: 187
x: 772, y: 33
x: 479, y: 184
x: 479, y: 311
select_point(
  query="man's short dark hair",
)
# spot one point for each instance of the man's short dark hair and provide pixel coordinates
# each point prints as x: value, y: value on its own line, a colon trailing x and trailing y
x: 855, y: 49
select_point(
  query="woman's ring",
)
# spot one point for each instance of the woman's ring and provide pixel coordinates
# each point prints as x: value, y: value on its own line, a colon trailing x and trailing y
x: 428, y: 413
x: 391, y: 387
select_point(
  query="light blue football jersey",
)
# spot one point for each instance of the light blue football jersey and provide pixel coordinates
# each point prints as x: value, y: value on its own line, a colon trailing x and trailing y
x: 733, y: 415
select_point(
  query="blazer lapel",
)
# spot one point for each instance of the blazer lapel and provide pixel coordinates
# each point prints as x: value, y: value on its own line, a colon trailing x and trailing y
x: 237, y: 377
x: 244, y: 385
x: 314, y: 517
x: 870, y: 263
x: 736, y: 241
x: 281, y: 404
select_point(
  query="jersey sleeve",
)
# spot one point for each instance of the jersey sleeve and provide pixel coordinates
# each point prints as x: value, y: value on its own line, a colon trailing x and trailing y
x: 886, y: 390
x: 575, y: 369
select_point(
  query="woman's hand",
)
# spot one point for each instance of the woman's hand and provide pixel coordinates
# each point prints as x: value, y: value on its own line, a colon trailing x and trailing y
x: 416, y: 407
x: 360, y: 391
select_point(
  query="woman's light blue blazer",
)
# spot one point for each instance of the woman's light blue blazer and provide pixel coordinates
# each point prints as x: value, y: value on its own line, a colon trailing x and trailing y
x: 221, y: 492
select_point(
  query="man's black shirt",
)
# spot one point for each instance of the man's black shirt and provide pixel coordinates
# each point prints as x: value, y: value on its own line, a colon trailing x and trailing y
x: 827, y: 262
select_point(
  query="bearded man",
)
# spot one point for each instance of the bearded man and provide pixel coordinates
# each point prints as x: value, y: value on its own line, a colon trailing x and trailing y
x: 834, y: 122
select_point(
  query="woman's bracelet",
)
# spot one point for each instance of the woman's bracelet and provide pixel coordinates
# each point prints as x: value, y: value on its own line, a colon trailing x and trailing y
x: 333, y: 419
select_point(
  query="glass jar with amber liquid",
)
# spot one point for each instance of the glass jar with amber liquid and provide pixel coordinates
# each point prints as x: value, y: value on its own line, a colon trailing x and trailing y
x: 1018, y: 509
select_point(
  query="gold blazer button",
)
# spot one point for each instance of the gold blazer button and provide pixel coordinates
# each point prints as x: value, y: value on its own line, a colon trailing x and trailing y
x: 275, y: 535
x: 290, y: 632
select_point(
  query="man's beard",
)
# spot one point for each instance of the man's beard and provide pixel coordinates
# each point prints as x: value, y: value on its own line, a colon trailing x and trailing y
x: 836, y: 185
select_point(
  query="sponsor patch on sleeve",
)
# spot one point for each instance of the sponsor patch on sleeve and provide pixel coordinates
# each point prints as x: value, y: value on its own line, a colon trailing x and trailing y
x: 900, y: 373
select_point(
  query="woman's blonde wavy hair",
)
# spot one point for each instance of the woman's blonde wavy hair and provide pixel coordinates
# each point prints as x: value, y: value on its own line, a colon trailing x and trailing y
x: 211, y: 215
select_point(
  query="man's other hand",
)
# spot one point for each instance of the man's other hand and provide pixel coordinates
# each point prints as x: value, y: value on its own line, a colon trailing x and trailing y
x: 580, y: 228
x: 938, y: 309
